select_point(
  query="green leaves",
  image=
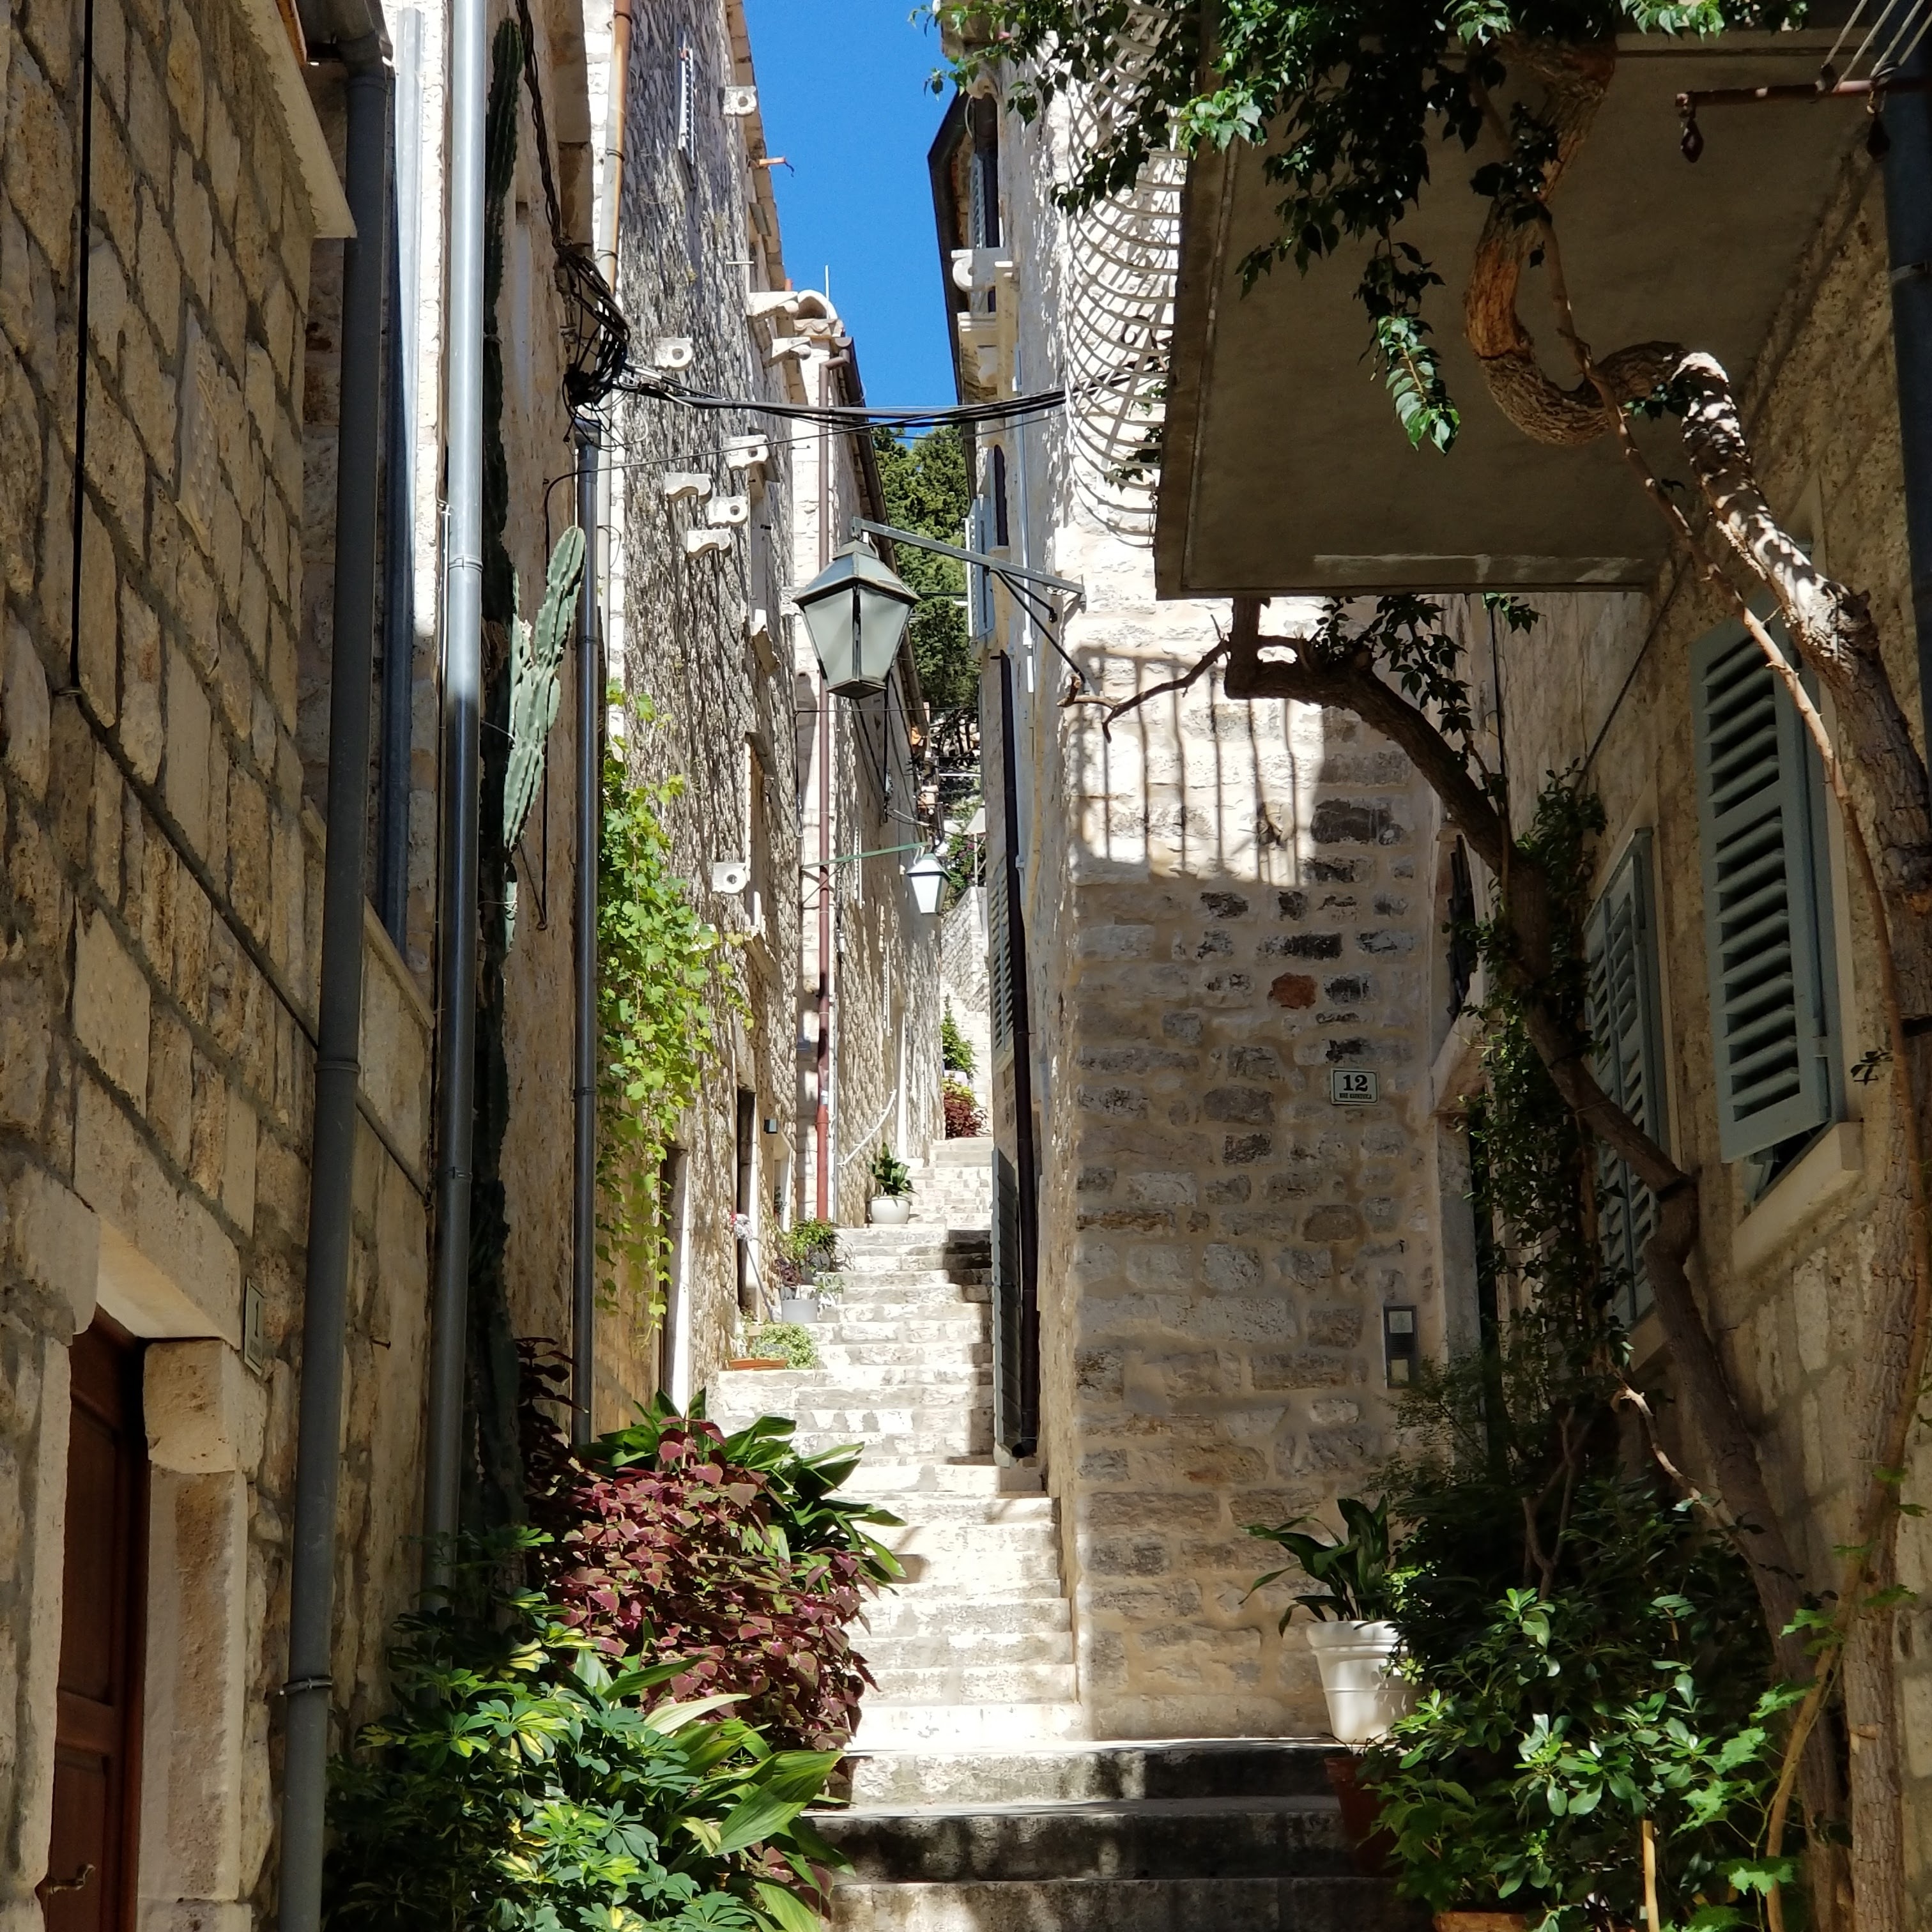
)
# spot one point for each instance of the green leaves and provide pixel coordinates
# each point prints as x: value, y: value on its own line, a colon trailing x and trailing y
x: 1412, y: 374
x: 1355, y: 1569
x: 518, y: 1787
x: 662, y: 984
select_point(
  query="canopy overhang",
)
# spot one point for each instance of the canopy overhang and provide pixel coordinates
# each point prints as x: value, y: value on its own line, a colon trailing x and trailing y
x: 1285, y: 470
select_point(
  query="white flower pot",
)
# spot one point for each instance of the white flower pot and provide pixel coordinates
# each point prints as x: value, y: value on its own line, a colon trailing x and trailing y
x: 1357, y: 1663
x: 891, y: 1211
x: 797, y: 1308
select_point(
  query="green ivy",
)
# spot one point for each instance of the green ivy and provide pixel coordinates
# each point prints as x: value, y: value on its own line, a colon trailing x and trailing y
x: 661, y: 983
x: 955, y: 1050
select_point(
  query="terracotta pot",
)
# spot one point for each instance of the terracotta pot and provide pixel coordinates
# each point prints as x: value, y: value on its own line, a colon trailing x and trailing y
x: 891, y: 1211
x: 1480, y: 1921
x: 1361, y: 1814
x: 757, y: 1362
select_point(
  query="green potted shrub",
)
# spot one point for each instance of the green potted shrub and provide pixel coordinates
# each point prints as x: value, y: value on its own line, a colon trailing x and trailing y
x: 1356, y: 1639
x: 803, y: 1254
x: 892, y: 1189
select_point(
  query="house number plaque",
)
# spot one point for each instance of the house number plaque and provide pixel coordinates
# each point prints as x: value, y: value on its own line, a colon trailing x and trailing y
x: 1353, y: 1086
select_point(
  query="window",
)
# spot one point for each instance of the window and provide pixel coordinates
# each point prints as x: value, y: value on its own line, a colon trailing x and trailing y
x: 1767, y: 909
x: 1625, y: 1022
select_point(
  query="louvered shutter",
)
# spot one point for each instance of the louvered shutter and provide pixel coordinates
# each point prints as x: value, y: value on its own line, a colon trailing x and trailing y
x: 1764, y: 900
x: 1625, y: 1020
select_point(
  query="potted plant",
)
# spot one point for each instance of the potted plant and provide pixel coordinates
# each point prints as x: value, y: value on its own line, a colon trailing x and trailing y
x: 892, y: 1189
x: 1356, y: 1642
x: 803, y: 1252
x: 779, y: 1345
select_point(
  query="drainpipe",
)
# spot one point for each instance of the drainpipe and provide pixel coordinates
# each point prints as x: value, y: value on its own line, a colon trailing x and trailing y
x: 337, y: 1071
x: 589, y: 787
x: 1908, y: 221
x: 822, y: 1062
x: 462, y: 711
x: 399, y: 628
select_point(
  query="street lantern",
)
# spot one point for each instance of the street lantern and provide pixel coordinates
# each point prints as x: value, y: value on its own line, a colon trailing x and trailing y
x: 927, y: 875
x: 856, y: 611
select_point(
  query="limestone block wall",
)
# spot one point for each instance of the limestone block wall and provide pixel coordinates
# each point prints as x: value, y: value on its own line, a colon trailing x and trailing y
x: 963, y: 983
x: 1227, y: 904
x: 161, y: 908
x: 704, y: 645
x: 1783, y: 1278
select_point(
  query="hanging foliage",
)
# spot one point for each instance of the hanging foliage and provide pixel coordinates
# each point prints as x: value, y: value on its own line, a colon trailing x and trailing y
x: 660, y: 989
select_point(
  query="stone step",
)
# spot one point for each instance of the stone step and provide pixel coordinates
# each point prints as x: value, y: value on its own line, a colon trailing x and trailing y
x: 1126, y: 1905
x: 894, y: 1618
x: 864, y: 1417
x: 950, y: 1648
x: 884, y: 1725
x: 1096, y: 1838
x: 971, y: 1445
x: 1191, y: 1768
x: 969, y: 1574
x: 839, y: 1385
x: 893, y: 1304
x: 946, y: 1326
x: 975, y: 1684
x: 979, y: 1477
x: 889, y: 1359
x: 964, y: 1150
x: 927, y: 1506
x: 1037, y: 1543
x: 933, y: 1592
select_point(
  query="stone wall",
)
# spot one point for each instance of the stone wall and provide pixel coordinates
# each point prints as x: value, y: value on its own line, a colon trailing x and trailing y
x: 1227, y: 903
x: 964, y: 986
x: 163, y: 903
x: 704, y: 645
x: 1606, y: 680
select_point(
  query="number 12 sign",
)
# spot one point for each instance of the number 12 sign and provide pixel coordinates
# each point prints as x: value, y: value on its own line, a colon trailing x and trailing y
x: 1353, y: 1086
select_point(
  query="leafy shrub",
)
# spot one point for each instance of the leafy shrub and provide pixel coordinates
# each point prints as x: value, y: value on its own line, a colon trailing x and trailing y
x: 733, y: 1557
x: 955, y: 1050
x: 891, y: 1177
x: 1632, y: 1696
x: 963, y: 1120
x: 791, y: 1339
x: 520, y: 1784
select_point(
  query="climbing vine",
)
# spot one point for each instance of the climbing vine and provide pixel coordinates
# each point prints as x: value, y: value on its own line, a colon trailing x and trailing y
x: 661, y: 985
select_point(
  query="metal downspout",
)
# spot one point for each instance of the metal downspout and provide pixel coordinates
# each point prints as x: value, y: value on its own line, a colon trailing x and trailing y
x: 822, y: 1061
x: 462, y: 707
x: 590, y: 789
x: 1908, y: 221
x: 399, y: 624
x: 338, y: 1073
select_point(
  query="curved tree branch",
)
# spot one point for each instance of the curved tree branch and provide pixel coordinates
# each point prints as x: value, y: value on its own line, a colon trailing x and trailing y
x: 1575, y: 81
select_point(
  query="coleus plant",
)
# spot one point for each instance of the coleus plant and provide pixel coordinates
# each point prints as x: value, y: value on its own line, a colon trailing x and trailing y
x: 734, y: 1556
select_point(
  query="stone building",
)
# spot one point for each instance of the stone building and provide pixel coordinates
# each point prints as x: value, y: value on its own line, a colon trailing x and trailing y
x: 717, y: 515
x: 1720, y: 896
x: 1222, y: 912
x: 164, y: 710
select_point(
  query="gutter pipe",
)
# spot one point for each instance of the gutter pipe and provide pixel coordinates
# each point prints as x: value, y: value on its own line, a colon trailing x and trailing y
x: 399, y: 570
x: 462, y: 710
x: 337, y: 1071
x: 1908, y: 219
x: 589, y: 787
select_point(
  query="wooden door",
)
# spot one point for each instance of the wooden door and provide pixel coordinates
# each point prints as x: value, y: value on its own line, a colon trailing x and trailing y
x: 90, y: 1882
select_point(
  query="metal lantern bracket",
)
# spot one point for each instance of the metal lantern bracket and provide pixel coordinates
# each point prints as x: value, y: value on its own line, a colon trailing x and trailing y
x: 1017, y: 577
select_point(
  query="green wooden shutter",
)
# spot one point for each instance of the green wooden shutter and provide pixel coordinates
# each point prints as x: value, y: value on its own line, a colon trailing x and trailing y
x: 1000, y: 959
x: 1626, y: 1019
x: 1764, y: 899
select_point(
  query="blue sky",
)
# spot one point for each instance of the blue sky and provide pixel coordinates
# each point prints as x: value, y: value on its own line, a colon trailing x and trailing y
x: 842, y: 90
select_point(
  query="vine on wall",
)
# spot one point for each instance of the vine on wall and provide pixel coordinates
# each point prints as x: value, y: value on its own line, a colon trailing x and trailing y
x: 660, y: 988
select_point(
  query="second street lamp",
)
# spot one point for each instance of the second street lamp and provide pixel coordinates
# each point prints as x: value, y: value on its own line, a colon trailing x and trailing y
x: 857, y: 610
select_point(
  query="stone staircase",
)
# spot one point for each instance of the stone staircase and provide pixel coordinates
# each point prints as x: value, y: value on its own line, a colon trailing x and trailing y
x: 953, y: 1187
x: 1235, y: 1836
x: 976, y: 1645
x: 977, y: 1804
